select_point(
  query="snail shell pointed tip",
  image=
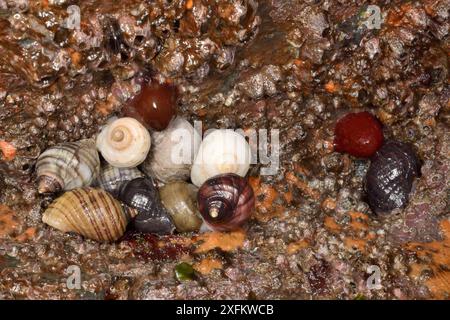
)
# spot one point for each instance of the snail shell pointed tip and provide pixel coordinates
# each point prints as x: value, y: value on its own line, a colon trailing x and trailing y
x: 47, y: 184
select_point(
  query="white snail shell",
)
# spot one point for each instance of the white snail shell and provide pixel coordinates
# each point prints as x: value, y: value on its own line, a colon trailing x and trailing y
x: 124, y: 143
x: 222, y: 151
x: 67, y: 166
x: 173, y: 151
x: 92, y: 213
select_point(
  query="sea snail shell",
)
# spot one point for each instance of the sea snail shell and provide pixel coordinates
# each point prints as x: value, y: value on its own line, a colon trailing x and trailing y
x: 92, y: 213
x: 180, y: 200
x: 222, y: 151
x: 124, y: 143
x: 67, y: 166
x: 173, y: 151
x: 111, y: 178
x: 142, y: 195
x: 226, y: 202
x: 390, y: 177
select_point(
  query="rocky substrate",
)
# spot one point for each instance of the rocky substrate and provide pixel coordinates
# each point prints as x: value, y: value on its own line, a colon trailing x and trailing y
x: 290, y: 65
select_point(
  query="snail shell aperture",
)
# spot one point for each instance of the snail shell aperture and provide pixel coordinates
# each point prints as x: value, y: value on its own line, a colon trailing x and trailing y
x: 67, y: 166
x: 180, y: 200
x: 111, y: 178
x: 226, y: 202
x: 92, y: 213
x: 124, y: 143
x: 142, y: 195
x: 222, y: 151
x: 173, y: 151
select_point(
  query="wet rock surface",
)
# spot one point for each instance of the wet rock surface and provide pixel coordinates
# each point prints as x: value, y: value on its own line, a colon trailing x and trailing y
x: 291, y: 65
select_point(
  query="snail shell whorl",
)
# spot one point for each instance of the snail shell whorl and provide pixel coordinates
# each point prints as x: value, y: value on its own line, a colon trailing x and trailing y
x: 111, y: 178
x: 222, y: 151
x: 173, y: 151
x: 124, y: 143
x: 180, y: 200
x: 142, y: 195
x: 67, y: 166
x: 226, y: 202
x: 92, y: 213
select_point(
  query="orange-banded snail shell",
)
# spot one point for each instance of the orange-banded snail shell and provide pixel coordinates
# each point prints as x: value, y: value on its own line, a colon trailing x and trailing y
x: 124, y: 143
x: 67, y: 166
x: 92, y: 213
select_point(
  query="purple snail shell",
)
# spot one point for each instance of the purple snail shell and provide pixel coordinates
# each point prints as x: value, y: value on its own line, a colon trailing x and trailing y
x: 142, y: 195
x: 390, y: 176
x: 226, y: 202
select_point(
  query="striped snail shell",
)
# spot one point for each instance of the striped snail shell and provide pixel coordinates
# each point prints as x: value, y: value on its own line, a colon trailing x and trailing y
x: 67, y: 166
x: 142, y: 195
x: 124, y: 143
x: 222, y: 151
x: 92, y: 213
x: 180, y: 200
x: 111, y: 178
x: 226, y: 202
x: 173, y: 151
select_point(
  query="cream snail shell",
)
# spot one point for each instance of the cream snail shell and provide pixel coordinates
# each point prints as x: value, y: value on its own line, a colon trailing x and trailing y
x: 124, y: 143
x: 173, y: 151
x: 67, y: 166
x: 222, y: 151
x: 180, y: 200
x: 92, y: 213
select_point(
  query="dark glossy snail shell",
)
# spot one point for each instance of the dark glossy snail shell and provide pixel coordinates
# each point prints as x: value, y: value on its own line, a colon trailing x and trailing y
x: 141, y: 194
x: 154, y: 106
x: 226, y: 202
x: 390, y: 176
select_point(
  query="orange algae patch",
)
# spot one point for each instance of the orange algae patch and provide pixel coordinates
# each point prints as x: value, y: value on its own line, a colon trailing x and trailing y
x: 303, y: 186
x: 228, y: 241
x: 8, y: 150
x: 296, y: 246
x: 265, y: 196
x: 207, y: 265
x: 438, y: 255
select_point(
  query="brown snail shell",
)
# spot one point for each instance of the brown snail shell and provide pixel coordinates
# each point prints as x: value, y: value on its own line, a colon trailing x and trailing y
x: 67, y: 166
x: 173, y: 151
x: 92, y: 213
x: 180, y: 200
x: 226, y: 202
x: 111, y: 178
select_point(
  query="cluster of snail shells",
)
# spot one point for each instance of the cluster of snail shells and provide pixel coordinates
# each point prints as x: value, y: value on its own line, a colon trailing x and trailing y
x: 176, y: 154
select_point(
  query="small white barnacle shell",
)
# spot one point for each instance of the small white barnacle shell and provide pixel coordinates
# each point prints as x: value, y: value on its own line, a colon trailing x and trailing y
x: 173, y: 151
x: 67, y: 166
x: 222, y: 151
x: 124, y: 142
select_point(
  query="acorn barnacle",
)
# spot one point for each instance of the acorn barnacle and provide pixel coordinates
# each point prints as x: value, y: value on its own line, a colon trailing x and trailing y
x: 390, y: 177
x: 222, y: 151
x: 142, y: 195
x: 358, y: 134
x: 226, y: 202
x: 124, y: 142
x: 92, y: 213
x: 154, y: 106
x: 67, y: 166
x: 173, y: 151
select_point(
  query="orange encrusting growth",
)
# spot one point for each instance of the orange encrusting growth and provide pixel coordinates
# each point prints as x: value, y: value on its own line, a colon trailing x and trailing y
x: 437, y: 257
x: 229, y: 241
x: 8, y: 150
x: 207, y: 265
